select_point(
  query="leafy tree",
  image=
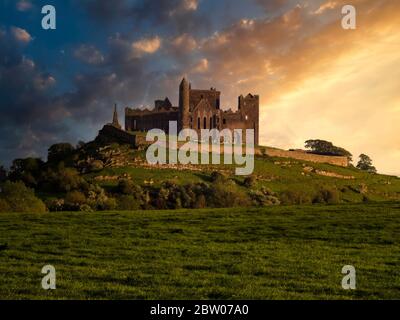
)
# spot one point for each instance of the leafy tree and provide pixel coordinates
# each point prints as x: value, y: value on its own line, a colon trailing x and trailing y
x: 60, y: 152
x: 365, y: 163
x: 16, y: 197
x: 80, y: 144
x: 327, y: 148
x: 3, y: 174
x: 26, y: 170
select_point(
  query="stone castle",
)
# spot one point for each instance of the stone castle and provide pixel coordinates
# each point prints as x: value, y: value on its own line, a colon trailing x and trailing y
x: 198, y: 109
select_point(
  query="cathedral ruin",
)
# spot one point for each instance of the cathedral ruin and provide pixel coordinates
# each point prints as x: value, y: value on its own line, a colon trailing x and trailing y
x: 197, y: 109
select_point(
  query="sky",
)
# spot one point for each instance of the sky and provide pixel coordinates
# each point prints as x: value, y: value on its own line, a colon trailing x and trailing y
x: 315, y: 79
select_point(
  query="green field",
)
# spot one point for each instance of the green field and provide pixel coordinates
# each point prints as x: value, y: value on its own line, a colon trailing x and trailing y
x: 254, y: 253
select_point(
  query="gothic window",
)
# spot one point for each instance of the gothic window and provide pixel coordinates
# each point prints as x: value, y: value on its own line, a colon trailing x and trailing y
x: 198, y: 123
x: 205, y: 123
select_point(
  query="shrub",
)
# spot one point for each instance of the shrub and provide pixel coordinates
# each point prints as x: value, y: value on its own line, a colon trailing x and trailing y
x: 226, y: 195
x: 217, y: 176
x: 264, y: 197
x: 291, y: 197
x: 249, y: 181
x: 128, y: 187
x: 127, y: 202
x: 16, y: 197
x: 63, y: 179
x: 4, y: 206
x: 96, y: 165
x: 329, y: 196
x: 55, y: 205
x: 200, y: 202
x: 74, y: 200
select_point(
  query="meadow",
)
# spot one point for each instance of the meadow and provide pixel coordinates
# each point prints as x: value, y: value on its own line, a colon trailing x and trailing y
x: 282, y: 252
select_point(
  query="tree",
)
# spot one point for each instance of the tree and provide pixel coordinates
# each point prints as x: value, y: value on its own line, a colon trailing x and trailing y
x: 26, y: 170
x: 59, y: 152
x: 365, y: 164
x: 327, y: 148
x: 16, y: 197
x: 3, y: 174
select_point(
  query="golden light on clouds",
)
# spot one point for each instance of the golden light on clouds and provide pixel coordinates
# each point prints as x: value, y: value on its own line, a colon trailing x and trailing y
x: 353, y: 102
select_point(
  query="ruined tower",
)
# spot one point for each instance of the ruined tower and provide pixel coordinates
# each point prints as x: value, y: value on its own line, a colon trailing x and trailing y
x: 115, y: 121
x: 184, y: 113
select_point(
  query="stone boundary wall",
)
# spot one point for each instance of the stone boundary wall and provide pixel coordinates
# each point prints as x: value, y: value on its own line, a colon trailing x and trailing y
x: 280, y: 153
x: 303, y: 155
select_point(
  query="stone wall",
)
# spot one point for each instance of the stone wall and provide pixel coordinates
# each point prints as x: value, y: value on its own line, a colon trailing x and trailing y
x: 303, y: 155
x: 274, y: 152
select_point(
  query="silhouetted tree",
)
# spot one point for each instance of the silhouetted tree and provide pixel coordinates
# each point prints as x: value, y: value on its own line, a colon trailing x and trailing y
x: 26, y: 170
x: 3, y: 174
x: 327, y: 148
x: 59, y: 152
x: 365, y: 164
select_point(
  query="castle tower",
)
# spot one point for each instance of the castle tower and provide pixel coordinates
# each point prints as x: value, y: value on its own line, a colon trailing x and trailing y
x: 184, y: 93
x: 115, y: 121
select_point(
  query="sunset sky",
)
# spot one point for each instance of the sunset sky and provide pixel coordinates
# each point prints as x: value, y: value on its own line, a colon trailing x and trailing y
x: 315, y: 79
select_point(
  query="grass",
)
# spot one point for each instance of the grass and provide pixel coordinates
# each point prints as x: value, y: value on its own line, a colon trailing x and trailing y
x: 254, y: 253
x: 276, y: 174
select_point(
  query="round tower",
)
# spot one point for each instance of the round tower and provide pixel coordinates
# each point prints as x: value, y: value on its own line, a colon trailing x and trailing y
x: 184, y: 116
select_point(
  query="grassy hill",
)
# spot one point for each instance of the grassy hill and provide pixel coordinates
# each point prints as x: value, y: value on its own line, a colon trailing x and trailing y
x: 294, y: 252
x: 277, y: 174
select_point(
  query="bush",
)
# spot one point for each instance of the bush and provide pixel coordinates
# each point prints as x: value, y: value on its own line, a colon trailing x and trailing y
x: 200, y: 202
x: 264, y: 197
x: 249, y: 181
x: 16, y: 197
x: 127, y: 202
x: 329, y: 196
x: 217, y: 176
x: 74, y: 200
x: 128, y: 187
x: 226, y: 195
x: 96, y: 165
x: 4, y: 206
x: 291, y: 197
x: 63, y: 180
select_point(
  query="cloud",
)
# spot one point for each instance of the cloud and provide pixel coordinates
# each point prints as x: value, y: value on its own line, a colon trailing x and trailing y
x: 201, y: 66
x: 173, y: 15
x: 326, y: 6
x: 24, y: 5
x: 21, y: 35
x: 89, y: 54
x: 190, y: 4
x: 146, y: 46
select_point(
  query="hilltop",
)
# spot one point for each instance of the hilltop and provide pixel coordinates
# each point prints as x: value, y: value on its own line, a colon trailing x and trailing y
x: 107, y: 175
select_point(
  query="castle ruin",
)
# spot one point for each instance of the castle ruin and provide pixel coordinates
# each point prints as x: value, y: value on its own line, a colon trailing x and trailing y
x: 198, y: 109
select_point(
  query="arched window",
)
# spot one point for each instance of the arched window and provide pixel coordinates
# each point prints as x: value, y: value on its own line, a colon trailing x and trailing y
x: 205, y: 123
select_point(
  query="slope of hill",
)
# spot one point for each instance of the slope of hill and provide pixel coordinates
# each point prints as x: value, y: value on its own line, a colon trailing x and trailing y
x: 279, y: 175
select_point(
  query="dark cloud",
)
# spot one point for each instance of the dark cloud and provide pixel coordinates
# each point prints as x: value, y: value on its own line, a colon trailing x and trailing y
x: 28, y: 118
x: 172, y: 15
